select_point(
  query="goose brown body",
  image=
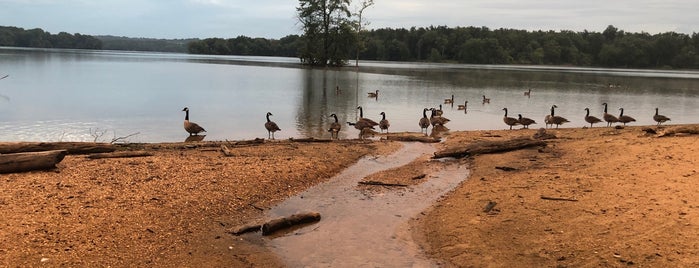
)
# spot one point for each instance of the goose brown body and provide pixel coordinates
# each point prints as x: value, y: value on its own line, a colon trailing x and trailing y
x: 462, y: 107
x: 191, y: 127
x: 610, y: 119
x: 555, y: 119
x: 625, y: 118
x: 659, y: 117
x: 424, y: 122
x: 384, y: 124
x: 524, y: 121
x: 373, y: 94
x: 437, y: 120
x: 510, y: 121
x: 449, y: 101
x: 591, y: 119
x: 485, y: 100
x: 334, y: 127
x: 271, y: 127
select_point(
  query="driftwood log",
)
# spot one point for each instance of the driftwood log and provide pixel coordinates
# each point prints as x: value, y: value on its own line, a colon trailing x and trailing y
x: 413, y: 138
x: 687, y: 130
x: 122, y: 154
x: 70, y: 147
x: 243, y: 229
x: 558, y: 198
x: 309, y: 140
x: 21, y: 162
x: 275, y: 225
x: 378, y: 183
x: 488, y: 147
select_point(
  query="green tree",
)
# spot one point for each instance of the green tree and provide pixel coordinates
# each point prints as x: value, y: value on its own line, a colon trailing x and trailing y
x: 325, y: 24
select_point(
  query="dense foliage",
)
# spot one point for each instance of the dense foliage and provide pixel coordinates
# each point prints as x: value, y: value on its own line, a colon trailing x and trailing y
x: 18, y: 37
x: 480, y: 45
x: 144, y: 44
x: 246, y: 46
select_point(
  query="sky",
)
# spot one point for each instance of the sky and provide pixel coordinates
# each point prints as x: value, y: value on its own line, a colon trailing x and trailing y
x: 175, y: 19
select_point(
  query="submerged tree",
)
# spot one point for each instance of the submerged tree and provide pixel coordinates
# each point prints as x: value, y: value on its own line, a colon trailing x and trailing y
x: 327, y: 31
x: 360, y: 43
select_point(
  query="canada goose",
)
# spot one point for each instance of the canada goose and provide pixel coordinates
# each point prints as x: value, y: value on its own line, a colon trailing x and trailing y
x: 557, y: 120
x: 439, y: 112
x: 271, y: 127
x: 383, y: 124
x: 485, y: 100
x: 449, y: 101
x: 547, y: 118
x: 191, y: 127
x: 424, y: 122
x: 625, y: 118
x: 591, y: 119
x: 608, y: 117
x: 525, y: 122
x: 366, y: 132
x: 528, y: 93
x: 462, y: 107
x: 334, y: 127
x: 437, y: 120
x: 374, y: 94
x: 660, y: 118
x: 510, y: 121
x: 363, y: 122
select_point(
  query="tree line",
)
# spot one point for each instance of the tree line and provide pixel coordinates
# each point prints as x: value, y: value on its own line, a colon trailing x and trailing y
x: 38, y: 38
x: 481, y: 45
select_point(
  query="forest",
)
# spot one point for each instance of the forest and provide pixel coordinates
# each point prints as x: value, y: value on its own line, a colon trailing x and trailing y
x: 481, y: 45
x: 38, y: 38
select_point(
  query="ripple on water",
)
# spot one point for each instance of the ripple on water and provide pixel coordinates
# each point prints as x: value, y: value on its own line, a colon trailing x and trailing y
x: 360, y: 230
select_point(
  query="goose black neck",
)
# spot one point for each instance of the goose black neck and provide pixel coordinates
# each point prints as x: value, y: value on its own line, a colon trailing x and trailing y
x: 186, y: 115
x: 588, y: 112
x: 335, y: 116
x: 552, y: 110
x: 424, y: 113
x: 361, y: 112
x: 656, y: 111
x: 605, y: 107
x: 383, y: 116
x: 268, y: 117
x: 622, y: 112
x: 505, y: 111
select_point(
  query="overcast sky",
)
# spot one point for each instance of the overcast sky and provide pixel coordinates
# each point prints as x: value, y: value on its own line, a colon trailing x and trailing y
x: 277, y: 18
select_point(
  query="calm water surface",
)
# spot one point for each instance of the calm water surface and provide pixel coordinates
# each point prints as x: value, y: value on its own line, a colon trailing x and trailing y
x: 65, y: 95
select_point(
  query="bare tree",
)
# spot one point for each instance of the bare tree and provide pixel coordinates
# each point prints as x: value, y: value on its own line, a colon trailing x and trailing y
x: 360, y: 44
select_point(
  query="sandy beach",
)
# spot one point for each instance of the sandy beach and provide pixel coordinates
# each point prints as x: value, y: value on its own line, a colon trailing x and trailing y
x: 591, y: 197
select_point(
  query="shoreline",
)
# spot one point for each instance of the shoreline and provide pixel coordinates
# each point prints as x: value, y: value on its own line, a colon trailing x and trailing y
x: 178, y: 206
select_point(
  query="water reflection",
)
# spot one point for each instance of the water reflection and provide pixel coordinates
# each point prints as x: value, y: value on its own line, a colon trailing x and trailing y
x: 66, y: 91
x: 194, y: 138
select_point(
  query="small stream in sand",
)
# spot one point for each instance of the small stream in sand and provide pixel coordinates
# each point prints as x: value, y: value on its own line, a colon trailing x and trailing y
x: 362, y: 229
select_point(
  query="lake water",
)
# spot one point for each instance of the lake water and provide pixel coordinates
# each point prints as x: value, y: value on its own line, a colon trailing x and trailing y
x: 65, y: 95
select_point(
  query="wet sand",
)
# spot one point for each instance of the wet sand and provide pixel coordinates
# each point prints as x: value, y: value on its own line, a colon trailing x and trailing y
x: 636, y: 203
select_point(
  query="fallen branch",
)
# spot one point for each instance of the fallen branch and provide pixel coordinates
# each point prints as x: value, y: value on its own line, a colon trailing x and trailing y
x: 413, y: 138
x: 558, y: 198
x: 504, y: 168
x: 122, y: 154
x: 246, y: 142
x: 680, y: 130
x: 20, y: 162
x: 226, y: 151
x: 419, y: 177
x: 488, y: 147
x: 123, y: 139
x: 287, y: 222
x: 71, y: 147
x: 382, y: 184
x: 489, y: 206
x: 310, y: 140
x: 248, y: 228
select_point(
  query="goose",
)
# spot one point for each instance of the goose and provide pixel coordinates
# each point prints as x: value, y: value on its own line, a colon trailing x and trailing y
x: 591, y: 119
x: 191, y: 127
x: 660, y: 118
x: 449, y: 101
x: 373, y: 94
x: 462, y: 107
x: 625, y: 118
x: 528, y: 93
x: 485, y: 100
x: 547, y: 118
x: 363, y: 122
x: 424, y: 122
x: 384, y: 124
x: 557, y: 120
x: 366, y: 132
x: 439, y: 112
x: 610, y: 119
x: 510, y: 121
x: 525, y: 122
x: 437, y: 120
x: 271, y: 127
x: 334, y: 127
